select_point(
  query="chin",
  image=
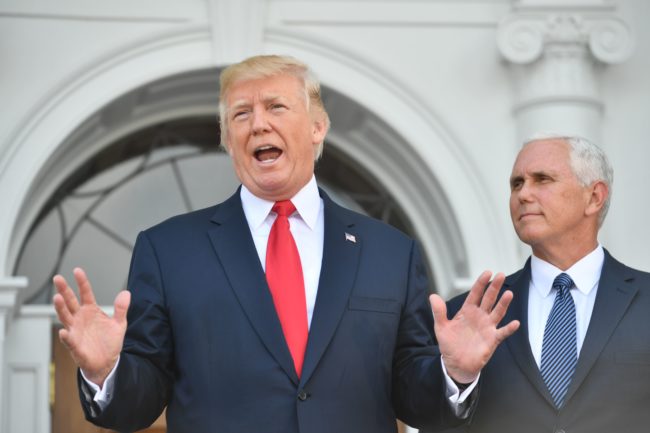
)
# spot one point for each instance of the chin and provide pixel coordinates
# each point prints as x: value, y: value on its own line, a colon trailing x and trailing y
x: 270, y: 181
x: 527, y: 235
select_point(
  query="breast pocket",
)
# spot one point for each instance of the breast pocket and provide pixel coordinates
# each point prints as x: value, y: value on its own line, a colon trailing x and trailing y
x: 377, y: 305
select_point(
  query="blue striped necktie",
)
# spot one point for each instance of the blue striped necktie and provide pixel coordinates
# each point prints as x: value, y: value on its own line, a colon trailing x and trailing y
x: 559, y: 348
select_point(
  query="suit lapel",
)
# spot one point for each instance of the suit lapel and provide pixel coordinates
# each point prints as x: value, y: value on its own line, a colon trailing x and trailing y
x: 615, y: 293
x: 519, y: 342
x: 338, y: 272
x: 232, y: 241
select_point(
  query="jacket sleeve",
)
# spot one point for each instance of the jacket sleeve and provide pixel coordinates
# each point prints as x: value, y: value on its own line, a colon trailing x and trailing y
x: 418, y: 381
x: 143, y: 379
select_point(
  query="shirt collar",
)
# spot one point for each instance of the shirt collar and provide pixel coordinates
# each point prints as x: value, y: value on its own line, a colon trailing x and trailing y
x: 307, y: 202
x: 585, y: 273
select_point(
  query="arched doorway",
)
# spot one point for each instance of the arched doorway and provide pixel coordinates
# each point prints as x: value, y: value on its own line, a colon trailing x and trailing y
x: 158, y: 144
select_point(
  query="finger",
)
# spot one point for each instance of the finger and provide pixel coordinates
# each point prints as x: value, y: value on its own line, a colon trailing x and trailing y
x: 439, y: 309
x: 67, y: 293
x: 490, y: 295
x: 476, y: 293
x: 62, y: 311
x: 85, y: 289
x: 64, y: 336
x: 507, y: 330
x: 501, y: 307
x: 121, y: 304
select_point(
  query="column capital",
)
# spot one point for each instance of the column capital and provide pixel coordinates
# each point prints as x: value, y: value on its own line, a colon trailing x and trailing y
x: 553, y: 49
x: 9, y: 288
x: 525, y: 34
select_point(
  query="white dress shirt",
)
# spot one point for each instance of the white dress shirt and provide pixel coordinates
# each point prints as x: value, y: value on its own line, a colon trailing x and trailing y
x: 307, y: 227
x: 585, y: 273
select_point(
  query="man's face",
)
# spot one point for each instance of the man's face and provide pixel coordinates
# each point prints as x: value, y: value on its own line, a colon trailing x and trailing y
x: 548, y: 205
x: 272, y: 136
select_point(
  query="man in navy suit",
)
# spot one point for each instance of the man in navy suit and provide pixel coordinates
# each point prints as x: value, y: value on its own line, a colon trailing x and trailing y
x: 560, y: 193
x: 207, y: 336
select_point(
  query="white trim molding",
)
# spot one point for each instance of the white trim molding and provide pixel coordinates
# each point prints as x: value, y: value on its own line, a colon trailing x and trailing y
x: 9, y: 288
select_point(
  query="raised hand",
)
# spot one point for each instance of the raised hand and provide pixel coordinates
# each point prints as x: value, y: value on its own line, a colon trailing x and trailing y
x: 469, y: 339
x: 93, y: 338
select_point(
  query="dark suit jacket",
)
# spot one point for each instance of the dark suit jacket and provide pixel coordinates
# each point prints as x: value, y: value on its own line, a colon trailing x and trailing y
x: 204, y: 340
x: 610, y: 390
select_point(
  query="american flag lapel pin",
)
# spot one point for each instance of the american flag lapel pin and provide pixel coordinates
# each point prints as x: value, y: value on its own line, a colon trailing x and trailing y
x: 350, y: 238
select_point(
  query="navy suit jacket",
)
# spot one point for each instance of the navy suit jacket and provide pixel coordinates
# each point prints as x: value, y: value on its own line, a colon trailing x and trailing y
x: 610, y: 389
x: 204, y: 340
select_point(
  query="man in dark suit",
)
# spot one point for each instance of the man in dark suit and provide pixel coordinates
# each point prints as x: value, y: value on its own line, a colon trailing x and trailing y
x: 277, y: 310
x: 600, y: 382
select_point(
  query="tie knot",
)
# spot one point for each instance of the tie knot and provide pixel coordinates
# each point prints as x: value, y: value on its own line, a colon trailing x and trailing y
x: 284, y: 208
x: 563, y: 283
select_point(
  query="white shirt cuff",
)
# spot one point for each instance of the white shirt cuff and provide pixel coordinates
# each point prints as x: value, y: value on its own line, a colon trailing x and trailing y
x: 104, y: 394
x: 457, y: 400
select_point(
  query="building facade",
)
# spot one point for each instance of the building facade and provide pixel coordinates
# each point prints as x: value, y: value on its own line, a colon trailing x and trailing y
x: 107, y: 104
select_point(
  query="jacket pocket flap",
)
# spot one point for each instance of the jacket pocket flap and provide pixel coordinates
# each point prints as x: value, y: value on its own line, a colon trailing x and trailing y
x: 378, y: 305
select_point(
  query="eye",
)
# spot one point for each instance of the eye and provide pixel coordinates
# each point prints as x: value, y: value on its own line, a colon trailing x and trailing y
x: 516, y: 184
x: 278, y: 107
x: 240, y: 114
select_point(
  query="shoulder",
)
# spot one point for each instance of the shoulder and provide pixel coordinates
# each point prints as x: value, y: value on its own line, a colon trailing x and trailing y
x: 614, y: 268
x: 371, y: 229
x: 183, y: 222
x: 198, y: 221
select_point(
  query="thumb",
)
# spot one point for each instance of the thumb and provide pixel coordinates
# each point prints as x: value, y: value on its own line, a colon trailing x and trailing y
x: 439, y: 309
x: 121, y: 305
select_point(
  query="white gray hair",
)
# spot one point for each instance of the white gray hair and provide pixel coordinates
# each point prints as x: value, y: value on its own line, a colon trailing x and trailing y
x: 588, y: 162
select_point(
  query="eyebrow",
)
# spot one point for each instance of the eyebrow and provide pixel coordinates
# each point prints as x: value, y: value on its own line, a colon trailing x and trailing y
x: 542, y: 173
x: 534, y: 175
x: 240, y: 103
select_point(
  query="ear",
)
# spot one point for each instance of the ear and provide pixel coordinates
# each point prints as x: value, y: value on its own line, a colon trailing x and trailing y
x: 226, y: 143
x: 598, y: 193
x: 224, y: 136
x: 318, y: 130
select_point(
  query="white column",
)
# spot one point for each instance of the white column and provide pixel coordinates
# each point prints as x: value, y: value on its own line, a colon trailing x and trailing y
x: 9, y: 288
x: 555, y: 50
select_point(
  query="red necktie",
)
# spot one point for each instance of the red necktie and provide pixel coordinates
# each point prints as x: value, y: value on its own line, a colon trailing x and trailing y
x: 284, y: 276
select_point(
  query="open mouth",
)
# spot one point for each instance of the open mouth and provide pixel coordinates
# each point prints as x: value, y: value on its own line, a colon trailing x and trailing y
x: 267, y: 153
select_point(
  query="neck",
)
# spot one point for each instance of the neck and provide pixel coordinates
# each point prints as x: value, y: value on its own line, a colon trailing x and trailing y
x: 564, y: 256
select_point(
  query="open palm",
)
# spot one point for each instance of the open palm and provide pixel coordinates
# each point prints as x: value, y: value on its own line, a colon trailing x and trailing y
x: 93, y: 338
x: 468, y: 340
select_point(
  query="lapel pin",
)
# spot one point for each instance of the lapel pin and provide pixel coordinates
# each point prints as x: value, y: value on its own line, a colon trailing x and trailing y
x: 351, y: 238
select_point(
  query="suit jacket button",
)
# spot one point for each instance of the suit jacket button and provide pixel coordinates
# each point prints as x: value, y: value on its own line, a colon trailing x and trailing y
x: 302, y: 395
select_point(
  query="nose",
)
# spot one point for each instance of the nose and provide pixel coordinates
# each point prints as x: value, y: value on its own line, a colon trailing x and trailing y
x: 260, y: 122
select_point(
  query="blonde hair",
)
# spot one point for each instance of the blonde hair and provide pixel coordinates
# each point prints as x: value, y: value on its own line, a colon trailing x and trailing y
x: 269, y: 66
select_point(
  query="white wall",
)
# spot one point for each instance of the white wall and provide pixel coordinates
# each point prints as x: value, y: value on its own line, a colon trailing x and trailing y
x: 626, y: 136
